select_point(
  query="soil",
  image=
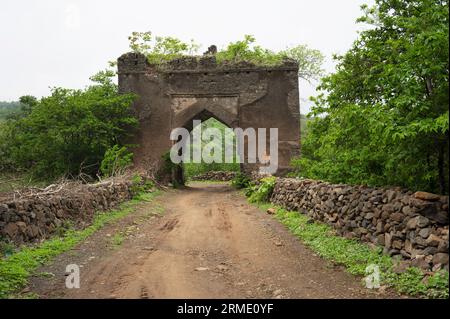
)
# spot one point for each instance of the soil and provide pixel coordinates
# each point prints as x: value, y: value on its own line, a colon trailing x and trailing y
x: 202, y: 241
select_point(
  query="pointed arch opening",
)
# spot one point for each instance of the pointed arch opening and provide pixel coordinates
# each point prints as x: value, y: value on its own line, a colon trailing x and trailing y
x: 210, y: 145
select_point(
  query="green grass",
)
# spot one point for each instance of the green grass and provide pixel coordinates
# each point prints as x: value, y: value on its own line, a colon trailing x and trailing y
x: 18, y: 267
x: 118, y: 239
x: 355, y: 256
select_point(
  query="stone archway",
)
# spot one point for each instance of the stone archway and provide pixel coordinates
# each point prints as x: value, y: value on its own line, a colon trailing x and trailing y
x: 239, y: 95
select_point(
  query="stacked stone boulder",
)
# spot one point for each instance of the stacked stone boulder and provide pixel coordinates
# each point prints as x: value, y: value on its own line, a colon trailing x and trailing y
x: 215, y: 176
x: 33, y: 218
x: 413, y: 226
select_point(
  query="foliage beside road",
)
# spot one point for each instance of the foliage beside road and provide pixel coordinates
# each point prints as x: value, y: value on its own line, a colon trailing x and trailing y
x: 382, y: 118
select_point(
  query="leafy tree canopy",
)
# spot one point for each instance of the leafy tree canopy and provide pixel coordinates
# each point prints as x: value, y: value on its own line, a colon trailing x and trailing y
x: 69, y: 131
x: 382, y: 117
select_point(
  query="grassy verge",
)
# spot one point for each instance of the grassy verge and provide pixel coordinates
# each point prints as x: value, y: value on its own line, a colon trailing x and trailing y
x: 18, y: 267
x: 356, y: 256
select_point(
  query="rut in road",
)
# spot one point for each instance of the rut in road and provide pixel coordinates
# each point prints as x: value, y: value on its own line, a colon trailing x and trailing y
x: 209, y: 243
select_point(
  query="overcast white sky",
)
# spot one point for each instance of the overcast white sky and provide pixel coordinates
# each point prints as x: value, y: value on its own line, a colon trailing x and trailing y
x: 49, y: 43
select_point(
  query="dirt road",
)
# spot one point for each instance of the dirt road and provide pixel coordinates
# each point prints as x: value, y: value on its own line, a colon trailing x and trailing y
x: 208, y: 243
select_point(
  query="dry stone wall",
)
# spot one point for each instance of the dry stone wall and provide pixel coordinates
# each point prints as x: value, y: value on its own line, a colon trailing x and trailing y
x: 411, y: 225
x: 32, y: 218
x: 215, y: 176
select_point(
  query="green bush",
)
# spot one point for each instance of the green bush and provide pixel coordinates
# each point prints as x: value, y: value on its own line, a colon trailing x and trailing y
x: 382, y: 119
x: 309, y: 60
x: 160, y: 50
x: 69, y: 131
x: 116, y: 160
x: 6, y: 248
x: 140, y: 186
x: 261, y: 193
x: 240, y: 181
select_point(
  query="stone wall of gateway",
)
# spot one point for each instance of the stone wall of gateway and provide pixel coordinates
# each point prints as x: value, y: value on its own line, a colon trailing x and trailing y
x: 411, y: 225
x: 238, y: 94
x: 32, y: 217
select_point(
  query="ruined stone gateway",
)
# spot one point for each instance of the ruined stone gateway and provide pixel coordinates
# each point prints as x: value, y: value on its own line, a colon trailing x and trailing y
x: 197, y: 88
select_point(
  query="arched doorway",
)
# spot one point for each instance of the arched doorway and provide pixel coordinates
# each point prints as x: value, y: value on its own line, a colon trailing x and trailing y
x: 212, y: 145
x: 238, y: 95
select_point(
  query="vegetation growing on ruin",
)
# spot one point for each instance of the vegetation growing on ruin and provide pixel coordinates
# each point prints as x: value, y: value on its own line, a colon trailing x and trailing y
x: 160, y: 50
x: 382, y: 117
x: 309, y: 60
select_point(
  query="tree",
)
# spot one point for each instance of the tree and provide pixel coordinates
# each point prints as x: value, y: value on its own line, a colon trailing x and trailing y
x: 8, y: 109
x: 382, y: 118
x: 27, y: 103
x: 193, y: 169
x: 69, y: 131
x: 309, y: 61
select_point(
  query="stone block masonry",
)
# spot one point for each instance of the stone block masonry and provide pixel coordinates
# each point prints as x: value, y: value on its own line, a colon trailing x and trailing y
x: 413, y: 226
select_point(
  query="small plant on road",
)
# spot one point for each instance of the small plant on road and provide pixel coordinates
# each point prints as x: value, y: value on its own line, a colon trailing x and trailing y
x: 118, y: 239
